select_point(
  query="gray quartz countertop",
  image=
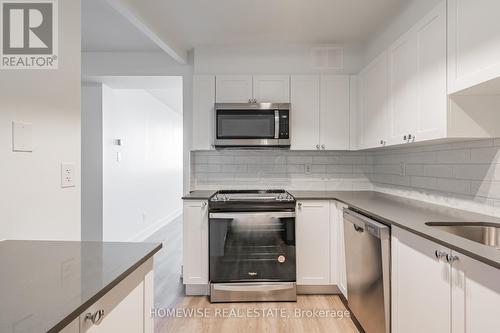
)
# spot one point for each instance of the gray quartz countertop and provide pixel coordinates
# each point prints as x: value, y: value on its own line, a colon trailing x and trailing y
x: 199, y: 195
x: 412, y: 215
x: 45, y: 285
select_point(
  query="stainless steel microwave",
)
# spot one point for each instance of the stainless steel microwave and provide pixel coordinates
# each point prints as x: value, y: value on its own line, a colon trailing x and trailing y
x: 252, y: 125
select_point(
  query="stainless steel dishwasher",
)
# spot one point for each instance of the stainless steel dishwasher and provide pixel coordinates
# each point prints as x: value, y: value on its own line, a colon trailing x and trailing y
x: 367, y: 251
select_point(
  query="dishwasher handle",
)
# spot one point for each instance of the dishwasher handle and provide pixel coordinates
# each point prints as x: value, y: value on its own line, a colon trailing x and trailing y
x: 362, y: 223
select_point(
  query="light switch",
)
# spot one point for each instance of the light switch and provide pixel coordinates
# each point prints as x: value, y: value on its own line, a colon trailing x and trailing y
x: 67, y: 175
x: 22, y: 137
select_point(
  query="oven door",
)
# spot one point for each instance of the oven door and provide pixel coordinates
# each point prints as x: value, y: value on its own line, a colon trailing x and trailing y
x: 248, y: 246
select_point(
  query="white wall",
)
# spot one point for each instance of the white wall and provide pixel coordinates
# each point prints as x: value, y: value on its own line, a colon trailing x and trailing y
x: 98, y: 64
x: 92, y: 132
x: 275, y: 59
x: 142, y: 191
x: 32, y: 203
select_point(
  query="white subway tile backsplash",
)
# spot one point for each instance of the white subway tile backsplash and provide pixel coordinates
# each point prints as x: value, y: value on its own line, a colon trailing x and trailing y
x: 485, y: 155
x: 460, y: 174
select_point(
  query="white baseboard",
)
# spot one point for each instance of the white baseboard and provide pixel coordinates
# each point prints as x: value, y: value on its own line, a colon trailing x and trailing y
x: 146, y: 233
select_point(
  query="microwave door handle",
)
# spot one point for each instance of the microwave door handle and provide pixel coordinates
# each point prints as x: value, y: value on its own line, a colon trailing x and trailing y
x: 276, y: 124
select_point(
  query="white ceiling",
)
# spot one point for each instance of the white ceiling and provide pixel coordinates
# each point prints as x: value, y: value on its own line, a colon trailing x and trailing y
x: 105, y: 30
x: 191, y: 23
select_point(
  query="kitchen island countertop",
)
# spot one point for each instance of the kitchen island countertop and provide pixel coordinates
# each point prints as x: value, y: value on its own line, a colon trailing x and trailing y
x: 45, y: 285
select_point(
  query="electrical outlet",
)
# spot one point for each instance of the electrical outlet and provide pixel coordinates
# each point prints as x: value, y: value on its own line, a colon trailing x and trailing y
x: 67, y: 175
x: 308, y: 169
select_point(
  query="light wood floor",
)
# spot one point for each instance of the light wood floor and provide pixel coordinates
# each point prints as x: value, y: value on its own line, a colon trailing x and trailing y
x: 275, y: 322
x: 169, y: 294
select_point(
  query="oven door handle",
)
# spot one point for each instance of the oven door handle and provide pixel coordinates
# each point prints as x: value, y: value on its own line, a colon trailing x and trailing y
x: 264, y: 287
x: 259, y: 214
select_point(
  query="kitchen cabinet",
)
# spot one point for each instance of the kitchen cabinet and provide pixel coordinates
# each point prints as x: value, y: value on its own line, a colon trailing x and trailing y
x: 435, y: 289
x: 334, y: 112
x: 248, y: 88
x: 320, y: 244
x: 125, y: 308
x: 420, y: 285
x: 203, y: 111
x: 475, y: 296
x: 313, y: 242
x: 417, y: 81
x: 271, y: 88
x: 234, y: 88
x: 473, y: 43
x: 320, y: 112
x: 305, y: 98
x: 337, y: 247
x: 195, y: 243
x: 373, y: 110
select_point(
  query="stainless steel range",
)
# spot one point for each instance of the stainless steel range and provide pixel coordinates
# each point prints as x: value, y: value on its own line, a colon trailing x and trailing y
x: 252, y: 246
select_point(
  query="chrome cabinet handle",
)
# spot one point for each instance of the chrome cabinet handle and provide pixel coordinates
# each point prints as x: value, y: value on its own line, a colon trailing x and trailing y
x: 322, y: 146
x: 96, y: 317
x: 204, y: 204
x: 383, y: 142
x: 300, y: 204
x: 317, y: 146
x: 440, y: 254
x: 451, y: 258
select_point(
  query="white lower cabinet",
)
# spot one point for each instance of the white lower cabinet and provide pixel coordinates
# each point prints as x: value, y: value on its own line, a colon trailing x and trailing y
x: 420, y: 287
x: 475, y: 296
x: 436, y: 290
x: 195, y: 242
x: 312, y: 232
x: 337, y: 247
x: 320, y: 244
x: 125, y: 308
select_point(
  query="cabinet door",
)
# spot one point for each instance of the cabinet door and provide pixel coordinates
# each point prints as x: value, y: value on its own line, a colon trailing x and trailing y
x: 403, y: 88
x: 305, y: 112
x: 271, y: 88
x: 203, y: 111
x: 373, y: 103
x: 475, y: 296
x: 473, y: 43
x: 233, y: 88
x: 195, y: 246
x: 123, y: 307
x: 420, y: 285
x: 313, y: 242
x: 337, y: 249
x: 432, y: 90
x: 334, y: 112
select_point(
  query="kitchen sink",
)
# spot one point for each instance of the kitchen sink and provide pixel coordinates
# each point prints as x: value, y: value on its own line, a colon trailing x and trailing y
x: 482, y: 232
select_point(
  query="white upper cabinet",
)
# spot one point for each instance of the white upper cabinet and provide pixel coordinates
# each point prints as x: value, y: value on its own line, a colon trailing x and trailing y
x: 271, y: 88
x: 203, y: 111
x: 417, y: 81
x: 234, y: 88
x: 334, y: 112
x: 373, y: 111
x: 248, y: 88
x: 305, y: 98
x: 320, y: 112
x: 473, y: 43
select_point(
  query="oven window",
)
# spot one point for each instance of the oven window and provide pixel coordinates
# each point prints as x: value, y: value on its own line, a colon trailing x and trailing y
x: 252, y: 249
x: 237, y: 124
